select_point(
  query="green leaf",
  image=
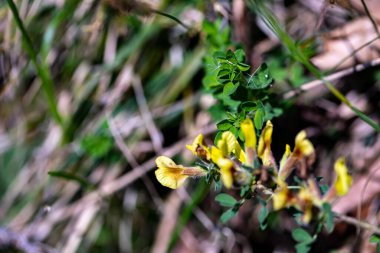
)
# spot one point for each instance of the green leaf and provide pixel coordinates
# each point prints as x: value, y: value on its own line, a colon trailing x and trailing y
x: 240, y: 55
x: 224, y: 125
x: 229, y: 88
x: 218, y: 55
x: 71, y: 177
x: 302, y: 248
x: 374, y: 238
x: 226, y: 200
x: 230, y: 56
x: 249, y: 106
x: 218, y: 136
x: 259, y: 118
x: 262, y: 217
x: 235, y: 131
x: 329, y: 217
x: 227, y: 215
x: 96, y: 145
x: 241, y: 134
x: 243, y: 67
x: 261, y: 78
x: 301, y: 235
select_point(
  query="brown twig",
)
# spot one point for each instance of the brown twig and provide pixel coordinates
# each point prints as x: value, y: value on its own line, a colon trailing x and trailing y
x: 358, y: 223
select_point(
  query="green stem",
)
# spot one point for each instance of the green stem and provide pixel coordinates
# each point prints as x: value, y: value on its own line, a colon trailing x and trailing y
x: 272, y: 23
x: 42, y: 69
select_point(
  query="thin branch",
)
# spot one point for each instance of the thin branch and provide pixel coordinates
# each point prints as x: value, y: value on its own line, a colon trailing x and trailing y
x: 358, y: 223
x: 332, y: 77
x: 155, y: 134
x: 353, y: 53
x: 370, y: 17
x: 132, y: 160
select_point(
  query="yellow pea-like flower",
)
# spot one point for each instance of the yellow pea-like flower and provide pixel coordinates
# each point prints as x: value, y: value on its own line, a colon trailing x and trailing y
x: 225, y: 165
x: 343, y: 181
x: 171, y: 175
x: 306, y: 202
x: 285, y: 156
x: 249, y: 134
x: 303, y: 147
x: 264, y: 150
x: 228, y: 144
x: 281, y: 196
x: 199, y: 149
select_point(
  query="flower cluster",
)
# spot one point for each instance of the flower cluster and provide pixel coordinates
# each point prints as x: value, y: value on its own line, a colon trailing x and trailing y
x: 253, y: 165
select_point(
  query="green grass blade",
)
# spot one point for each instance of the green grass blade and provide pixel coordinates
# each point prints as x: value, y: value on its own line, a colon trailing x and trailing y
x: 42, y: 69
x: 271, y: 21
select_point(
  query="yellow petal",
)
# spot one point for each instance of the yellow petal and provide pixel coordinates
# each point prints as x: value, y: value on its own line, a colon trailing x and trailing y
x: 199, y: 149
x: 168, y: 173
x: 343, y: 180
x: 280, y: 197
x: 225, y: 165
x: 230, y: 141
x: 285, y: 156
x: 303, y: 147
x: 249, y: 134
x: 228, y: 144
x: 265, y: 141
x: 306, y: 204
x: 227, y: 171
x: 216, y: 154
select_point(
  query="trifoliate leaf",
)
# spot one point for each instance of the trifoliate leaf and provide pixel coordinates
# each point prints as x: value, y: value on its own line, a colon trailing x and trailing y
x: 261, y: 78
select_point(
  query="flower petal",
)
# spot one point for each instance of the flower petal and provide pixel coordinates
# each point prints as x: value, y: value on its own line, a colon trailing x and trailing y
x: 343, y: 180
x: 225, y: 165
x: 199, y: 149
x: 303, y: 147
x: 265, y: 141
x: 228, y: 144
x: 281, y: 197
x: 227, y: 171
x: 230, y: 141
x: 168, y: 173
x: 249, y: 134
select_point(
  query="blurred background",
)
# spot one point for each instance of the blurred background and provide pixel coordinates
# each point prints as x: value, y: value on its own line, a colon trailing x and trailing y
x: 93, y: 91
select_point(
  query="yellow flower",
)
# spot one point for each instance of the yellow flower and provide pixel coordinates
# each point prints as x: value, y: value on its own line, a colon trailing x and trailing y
x: 343, y: 180
x: 199, y: 148
x: 303, y: 146
x: 281, y: 197
x: 249, y: 134
x: 226, y: 166
x: 172, y: 175
x: 286, y: 165
x: 308, y: 199
x: 228, y: 144
x: 265, y: 141
x: 285, y: 156
x: 306, y: 203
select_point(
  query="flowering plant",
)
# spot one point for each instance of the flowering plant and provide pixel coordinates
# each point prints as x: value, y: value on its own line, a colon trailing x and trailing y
x: 252, y: 169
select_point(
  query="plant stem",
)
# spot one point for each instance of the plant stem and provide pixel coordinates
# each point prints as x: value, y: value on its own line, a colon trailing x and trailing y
x: 271, y: 21
x: 42, y: 69
x: 356, y: 222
